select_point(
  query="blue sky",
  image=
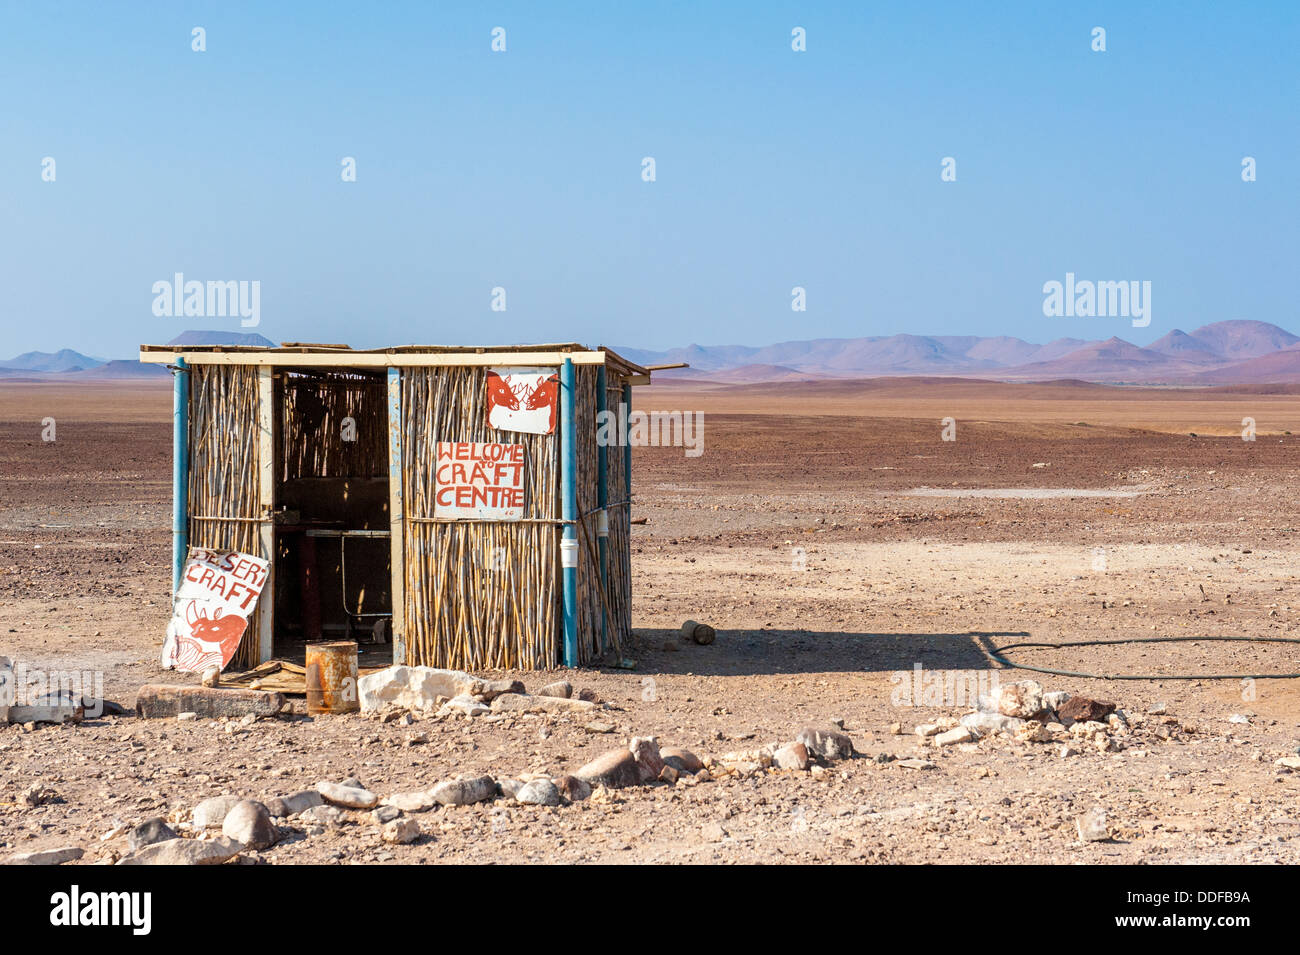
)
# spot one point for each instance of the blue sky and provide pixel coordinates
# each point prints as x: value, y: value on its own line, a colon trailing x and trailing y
x: 522, y: 169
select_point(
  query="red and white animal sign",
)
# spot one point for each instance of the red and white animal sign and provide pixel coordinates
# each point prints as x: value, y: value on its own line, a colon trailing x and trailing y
x: 475, y: 481
x: 218, y: 592
x: 523, y: 399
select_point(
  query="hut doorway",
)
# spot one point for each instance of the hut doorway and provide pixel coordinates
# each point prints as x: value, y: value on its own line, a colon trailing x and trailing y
x: 332, y: 576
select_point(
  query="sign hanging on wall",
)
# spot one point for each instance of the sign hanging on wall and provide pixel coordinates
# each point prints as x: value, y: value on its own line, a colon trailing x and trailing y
x: 523, y: 399
x: 477, y: 481
x: 210, y: 612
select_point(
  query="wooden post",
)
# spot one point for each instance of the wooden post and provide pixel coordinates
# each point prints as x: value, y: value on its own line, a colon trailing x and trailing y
x: 395, y: 521
x: 266, y: 497
x: 569, y: 512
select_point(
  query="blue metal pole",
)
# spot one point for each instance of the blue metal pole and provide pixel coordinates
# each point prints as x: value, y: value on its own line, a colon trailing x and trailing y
x: 569, y: 511
x: 602, y: 496
x: 180, y: 470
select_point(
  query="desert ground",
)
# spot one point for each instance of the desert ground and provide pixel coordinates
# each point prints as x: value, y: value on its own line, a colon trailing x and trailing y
x: 836, y: 542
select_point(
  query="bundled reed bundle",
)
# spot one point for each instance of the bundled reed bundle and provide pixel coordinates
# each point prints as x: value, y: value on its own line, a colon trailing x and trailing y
x: 479, y: 594
x: 620, y: 523
x: 224, y: 498
x: 313, y: 440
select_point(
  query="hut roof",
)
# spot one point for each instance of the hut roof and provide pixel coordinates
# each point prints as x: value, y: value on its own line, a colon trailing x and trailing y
x: 309, y: 355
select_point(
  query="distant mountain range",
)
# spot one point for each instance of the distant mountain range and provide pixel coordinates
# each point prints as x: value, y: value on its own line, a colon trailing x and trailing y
x: 1224, y: 353
x: 68, y: 364
x: 1231, y: 352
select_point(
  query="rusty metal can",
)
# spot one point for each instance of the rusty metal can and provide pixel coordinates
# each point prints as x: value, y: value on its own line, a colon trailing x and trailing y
x: 332, y: 677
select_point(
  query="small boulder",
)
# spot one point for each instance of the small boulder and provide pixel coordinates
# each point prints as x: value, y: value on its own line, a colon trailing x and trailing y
x: 791, y: 756
x: 463, y: 792
x: 1022, y: 699
x: 828, y: 744
x: 400, y: 832
x: 249, y: 824
x: 46, y: 856
x: 185, y: 852
x: 560, y: 688
x: 211, y: 813
x: 615, y: 769
x: 682, y: 760
x: 148, y: 832
x: 539, y: 792
x: 349, y: 797
x: 285, y: 806
x: 572, y: 788
x: 1081, y: 709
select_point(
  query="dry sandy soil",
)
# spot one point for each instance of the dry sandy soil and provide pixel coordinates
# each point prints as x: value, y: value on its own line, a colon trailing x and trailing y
x: 835, y: 541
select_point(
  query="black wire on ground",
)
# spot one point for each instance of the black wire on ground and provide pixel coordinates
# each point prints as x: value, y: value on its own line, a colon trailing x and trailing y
x: 996, y: 653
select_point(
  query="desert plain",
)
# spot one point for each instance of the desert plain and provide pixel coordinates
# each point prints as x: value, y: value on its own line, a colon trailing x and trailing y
x: 837, y: 542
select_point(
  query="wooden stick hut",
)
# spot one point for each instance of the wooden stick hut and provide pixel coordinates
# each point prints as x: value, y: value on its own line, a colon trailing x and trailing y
x: 473, y: 503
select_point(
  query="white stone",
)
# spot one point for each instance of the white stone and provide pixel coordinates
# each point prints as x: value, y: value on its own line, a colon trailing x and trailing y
x: 413, y: 687
x: 349, y: 797
x: 959, y: 735
x: 984, y: 723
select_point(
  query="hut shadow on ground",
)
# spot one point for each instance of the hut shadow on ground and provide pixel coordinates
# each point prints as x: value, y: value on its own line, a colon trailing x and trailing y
x: 773, y: 651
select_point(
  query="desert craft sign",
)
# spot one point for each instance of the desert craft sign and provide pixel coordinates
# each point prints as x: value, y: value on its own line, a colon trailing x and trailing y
x: 478, y: 481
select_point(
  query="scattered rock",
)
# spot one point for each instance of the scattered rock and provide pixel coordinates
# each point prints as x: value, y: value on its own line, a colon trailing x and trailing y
x: 1022, y: 699
x: 410, y: 802
x: 211, y: 676
x: 249, y: 824
x: 148, y: 832
x: 414, y: 688
x: 1034, y: 732
x: 984, y: 723
x: 46, y: 856
x: 615, y: 769
x: 185, y: 852
x: 1054, y: 699
x: 463, y: 792
x: 508, y: 787
x: 384, y: 814
x: 466, y: 705
x: 1092, y: 825
x: 713, y: 832
x: 211, y: 813
x: 682, y: 760
x: 560, y: 688
x: 830, y: 745
x: 645, y: 750
x: 791, y: 756
x: 400, y: 832
x: 349, y: 797
x: 523, y: 703
x: 539, y: 792
x: 285, y: 806
x: 669, y: 775
x: 954, y: 736
x: 916, y: 764
x: 322, y: 815
x: 572, y: 788
x: 162, y: 700
x: 1081, y: 709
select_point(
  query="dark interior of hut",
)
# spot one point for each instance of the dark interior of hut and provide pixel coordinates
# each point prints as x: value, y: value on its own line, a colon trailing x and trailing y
x: 332, y: 555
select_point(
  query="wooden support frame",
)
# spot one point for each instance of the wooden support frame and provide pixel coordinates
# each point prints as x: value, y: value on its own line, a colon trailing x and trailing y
x: 396, y: 521
x: 266, y: 445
